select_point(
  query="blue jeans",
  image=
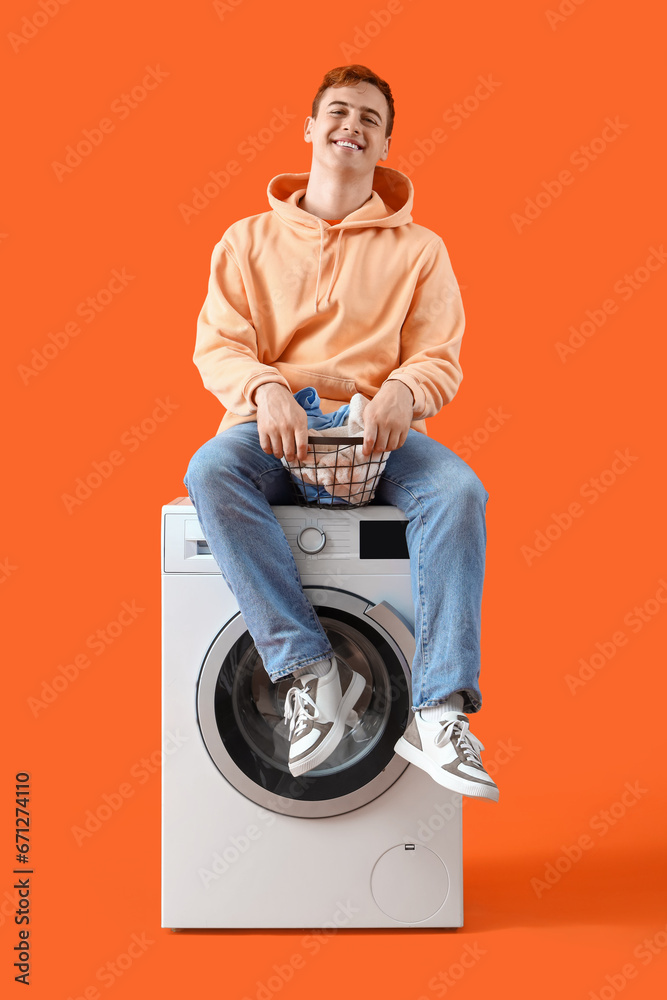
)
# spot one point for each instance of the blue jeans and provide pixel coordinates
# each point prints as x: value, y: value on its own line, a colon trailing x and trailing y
x: 233, y: 484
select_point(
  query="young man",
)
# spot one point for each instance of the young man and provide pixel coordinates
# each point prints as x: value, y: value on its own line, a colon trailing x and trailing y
x: 336, y: 288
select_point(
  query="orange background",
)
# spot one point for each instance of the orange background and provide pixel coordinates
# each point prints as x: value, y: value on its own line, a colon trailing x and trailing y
x: 66, y: 574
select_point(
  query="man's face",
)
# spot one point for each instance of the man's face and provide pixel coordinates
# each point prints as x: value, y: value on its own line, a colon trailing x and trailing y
x: 350, y: 114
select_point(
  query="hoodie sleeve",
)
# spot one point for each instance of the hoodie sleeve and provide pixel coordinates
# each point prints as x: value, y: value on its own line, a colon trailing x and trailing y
x: 226, y: 345
x: 431, y: 336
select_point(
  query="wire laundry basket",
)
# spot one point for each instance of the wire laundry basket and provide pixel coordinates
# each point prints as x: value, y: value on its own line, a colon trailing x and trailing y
x: 336, y: 473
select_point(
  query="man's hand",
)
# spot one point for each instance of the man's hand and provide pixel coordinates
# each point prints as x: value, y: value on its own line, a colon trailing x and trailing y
x: 281, y: 422
x: 387, y: 417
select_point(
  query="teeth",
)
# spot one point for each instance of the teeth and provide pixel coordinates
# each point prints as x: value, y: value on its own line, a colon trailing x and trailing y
x: 342, y: 142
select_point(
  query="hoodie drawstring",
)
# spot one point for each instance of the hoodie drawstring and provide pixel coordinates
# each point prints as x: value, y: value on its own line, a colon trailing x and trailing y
x: 319, y: 268
x: 335, y: 265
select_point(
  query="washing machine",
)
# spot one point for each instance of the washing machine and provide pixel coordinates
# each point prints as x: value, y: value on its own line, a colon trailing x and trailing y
x: 363, y: 840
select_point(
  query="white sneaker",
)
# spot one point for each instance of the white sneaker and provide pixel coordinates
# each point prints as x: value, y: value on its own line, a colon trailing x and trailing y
x: 449, y: 752
x: 318, y: 709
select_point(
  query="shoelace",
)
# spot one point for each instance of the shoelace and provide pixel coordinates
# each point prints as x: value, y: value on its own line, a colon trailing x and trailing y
x: 456, y: 729
x: 296, y: 709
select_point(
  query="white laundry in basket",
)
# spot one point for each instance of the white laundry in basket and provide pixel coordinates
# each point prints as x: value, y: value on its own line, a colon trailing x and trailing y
x: 342, y: 470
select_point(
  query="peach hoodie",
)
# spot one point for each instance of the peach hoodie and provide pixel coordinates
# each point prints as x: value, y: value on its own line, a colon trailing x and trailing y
x: 295, y: 300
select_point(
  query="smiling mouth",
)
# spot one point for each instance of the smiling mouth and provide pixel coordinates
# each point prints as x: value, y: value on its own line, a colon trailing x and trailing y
x: 345, y: 145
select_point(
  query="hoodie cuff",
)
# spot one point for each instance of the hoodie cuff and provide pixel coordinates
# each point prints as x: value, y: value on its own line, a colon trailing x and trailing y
x: 254, y: 383
x: 419, y: 404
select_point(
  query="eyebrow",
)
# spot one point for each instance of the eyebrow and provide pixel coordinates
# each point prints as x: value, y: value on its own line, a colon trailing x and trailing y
x: 345, y: 103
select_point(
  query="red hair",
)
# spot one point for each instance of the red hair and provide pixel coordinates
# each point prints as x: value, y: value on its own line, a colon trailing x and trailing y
x: 348, y: 76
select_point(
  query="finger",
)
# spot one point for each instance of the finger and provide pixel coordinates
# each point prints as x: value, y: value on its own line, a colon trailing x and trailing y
x: 393, y: 441
x: 381, y: 441
x: 289, y: 445
x: 370, y: 433
x: 277, y: 445
x: 265, y: 442
x: 301, y: 440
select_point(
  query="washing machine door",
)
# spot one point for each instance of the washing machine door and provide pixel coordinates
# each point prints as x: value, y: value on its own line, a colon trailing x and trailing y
x: 241, y: 712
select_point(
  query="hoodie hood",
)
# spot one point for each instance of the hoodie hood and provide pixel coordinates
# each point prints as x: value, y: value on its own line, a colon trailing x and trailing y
x: 389, y: 205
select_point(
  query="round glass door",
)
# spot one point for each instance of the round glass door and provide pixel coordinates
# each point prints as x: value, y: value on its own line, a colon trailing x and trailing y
x: 241, y: 712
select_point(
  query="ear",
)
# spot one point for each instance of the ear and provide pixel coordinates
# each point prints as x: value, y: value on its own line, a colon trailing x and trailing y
x: 385, y: 151
x: 307, y: 128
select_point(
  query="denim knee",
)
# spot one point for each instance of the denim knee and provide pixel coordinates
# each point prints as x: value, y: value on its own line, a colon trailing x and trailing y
x: 471, y: 488
x: 461, y: 485
x: 205, y: 465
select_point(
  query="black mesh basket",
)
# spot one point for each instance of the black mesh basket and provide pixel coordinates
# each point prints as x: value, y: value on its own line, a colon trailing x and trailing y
x: 336, y: 474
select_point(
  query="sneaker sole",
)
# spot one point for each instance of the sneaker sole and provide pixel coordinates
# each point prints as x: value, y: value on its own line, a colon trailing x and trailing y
x: 332, y: 739
x: 455, y: 784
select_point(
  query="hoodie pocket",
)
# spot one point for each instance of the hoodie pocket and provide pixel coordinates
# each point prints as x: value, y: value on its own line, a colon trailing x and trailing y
x: 328, y: 386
